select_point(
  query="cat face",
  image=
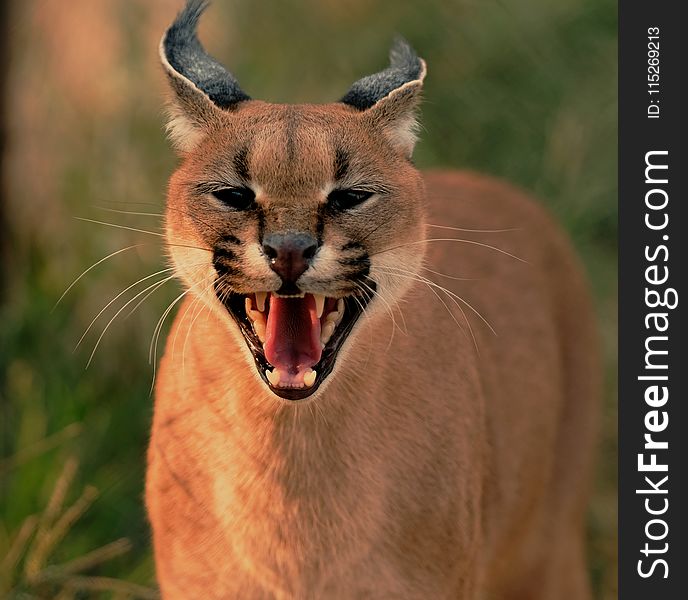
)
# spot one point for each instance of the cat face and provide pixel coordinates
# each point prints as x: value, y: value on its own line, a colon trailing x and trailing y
x: 291, y: 220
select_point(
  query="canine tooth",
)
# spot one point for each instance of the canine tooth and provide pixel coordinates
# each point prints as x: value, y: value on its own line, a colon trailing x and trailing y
x: 327, y: 331
x: 309, y: 377
x: 260, y: 300
x: 249, y: 305
x: 273, y: 376
x: 319, y: 304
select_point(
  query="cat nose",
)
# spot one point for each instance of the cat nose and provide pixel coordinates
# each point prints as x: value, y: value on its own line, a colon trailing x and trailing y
x: 290, y: 254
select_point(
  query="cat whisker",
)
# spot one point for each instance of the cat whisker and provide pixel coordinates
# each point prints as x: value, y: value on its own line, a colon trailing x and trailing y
x: 455, y: 298
x: 389, y: 310
x: 155, y: 233
x: 93, y: 266
x: 392, y: 305
x: 153, y: 349
x: 197, y: 301
x: 124, y: 291
x: 366, y: 315
x: 169, y: 245
x: 452, y: 294
x: 95, y: 348
x: 129, y: 212
x: 140, y: 302
x: 411, y: 275
x: 151, y: 214
x: 472, y: 242
x: 473, y: 230
x: 197, y: 304
x: 449, y: 276
x: 118, y: 226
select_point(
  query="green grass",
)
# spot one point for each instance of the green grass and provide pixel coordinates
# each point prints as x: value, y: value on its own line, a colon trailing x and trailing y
x: 523, y: 90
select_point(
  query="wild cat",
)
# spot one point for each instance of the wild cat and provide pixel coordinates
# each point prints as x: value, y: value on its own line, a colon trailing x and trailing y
x: 338, y: 414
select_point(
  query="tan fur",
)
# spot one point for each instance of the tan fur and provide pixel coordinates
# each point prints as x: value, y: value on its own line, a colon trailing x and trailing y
x: 429, y: 465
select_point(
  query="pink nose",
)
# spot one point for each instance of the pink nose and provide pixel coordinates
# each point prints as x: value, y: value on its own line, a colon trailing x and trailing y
x: 290, y: 254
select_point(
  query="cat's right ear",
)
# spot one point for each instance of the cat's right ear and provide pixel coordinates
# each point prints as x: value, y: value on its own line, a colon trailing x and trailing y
x: 201, y: 86
x: 389, y: 100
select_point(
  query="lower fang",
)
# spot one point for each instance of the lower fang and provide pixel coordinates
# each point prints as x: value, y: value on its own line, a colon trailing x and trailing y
x: 273, y: 377
x: 309, y: 377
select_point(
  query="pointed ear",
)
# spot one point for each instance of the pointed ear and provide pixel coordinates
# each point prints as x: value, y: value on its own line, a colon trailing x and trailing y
x: 389, y: 99
x: 201, y: 86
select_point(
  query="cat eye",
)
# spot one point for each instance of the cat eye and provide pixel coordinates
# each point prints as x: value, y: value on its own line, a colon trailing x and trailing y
x: 238, y: 198
x: 345, y: 199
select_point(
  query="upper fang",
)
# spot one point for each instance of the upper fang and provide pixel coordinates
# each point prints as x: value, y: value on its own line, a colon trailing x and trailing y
x: 260, y: 300
x: 319, y: 304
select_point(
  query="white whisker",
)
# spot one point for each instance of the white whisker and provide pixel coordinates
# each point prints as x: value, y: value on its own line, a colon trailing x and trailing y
x: 420, y: 279
x: 157, y: 283
x: 472, y: 242
x: 389, y: 310
x: 449, y: 276
x: 130, y: 212
x: 156, y: 233
x: 366, y: 314
x: 93, y: 266
x: 153, y: 348
x: 124, y: 291
x: 448, y: 292
x: 473, y: 230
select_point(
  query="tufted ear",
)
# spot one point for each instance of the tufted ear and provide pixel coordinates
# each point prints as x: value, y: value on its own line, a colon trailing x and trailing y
x: 389, y: 99
x: 200, y: 85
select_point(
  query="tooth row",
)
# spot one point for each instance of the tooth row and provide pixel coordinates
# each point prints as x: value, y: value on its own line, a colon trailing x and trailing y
x: 273, y: 376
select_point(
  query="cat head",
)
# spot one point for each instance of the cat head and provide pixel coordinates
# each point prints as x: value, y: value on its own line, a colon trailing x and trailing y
x: 293, y: 221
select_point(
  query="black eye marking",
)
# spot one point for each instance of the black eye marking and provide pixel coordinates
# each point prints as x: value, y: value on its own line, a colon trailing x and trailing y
x: 346, y: 199
x: 237, y: 198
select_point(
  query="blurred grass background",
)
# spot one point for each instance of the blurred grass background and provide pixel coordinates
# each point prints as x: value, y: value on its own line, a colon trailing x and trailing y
x: 525, y: 90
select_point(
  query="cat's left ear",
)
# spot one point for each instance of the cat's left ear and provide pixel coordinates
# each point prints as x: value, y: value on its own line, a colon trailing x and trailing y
x: 201, y: 86
x: 389, y: 99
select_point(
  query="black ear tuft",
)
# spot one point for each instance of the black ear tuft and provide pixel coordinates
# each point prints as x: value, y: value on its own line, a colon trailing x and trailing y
x: 185, y: 58
x: 404, y: 67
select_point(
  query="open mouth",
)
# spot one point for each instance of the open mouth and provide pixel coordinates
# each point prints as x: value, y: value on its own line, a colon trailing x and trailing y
x: 294, y: 339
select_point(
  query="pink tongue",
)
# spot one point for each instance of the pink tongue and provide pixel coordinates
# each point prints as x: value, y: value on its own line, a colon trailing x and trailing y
x: 292, y: 336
